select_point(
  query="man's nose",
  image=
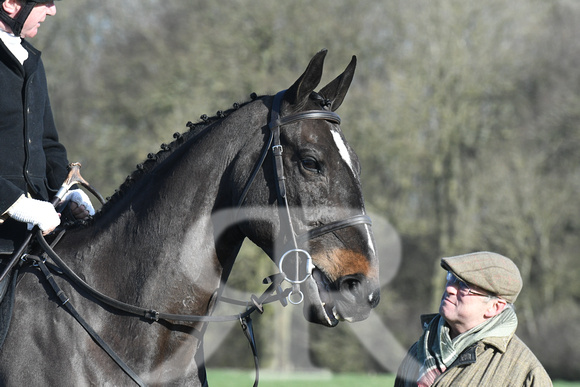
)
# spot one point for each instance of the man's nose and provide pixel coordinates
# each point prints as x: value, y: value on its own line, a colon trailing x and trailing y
x: 451, y: 288
x: 51, y: 9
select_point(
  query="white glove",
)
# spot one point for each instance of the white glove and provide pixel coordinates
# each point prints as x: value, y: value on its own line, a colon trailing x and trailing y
x: 36, y: 212
x: 79, y: 197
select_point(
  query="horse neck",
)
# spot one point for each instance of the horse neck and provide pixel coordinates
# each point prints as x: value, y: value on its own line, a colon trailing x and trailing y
x: 161, y: 231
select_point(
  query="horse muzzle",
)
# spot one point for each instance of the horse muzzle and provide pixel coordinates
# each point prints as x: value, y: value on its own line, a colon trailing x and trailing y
x: 350, y: 298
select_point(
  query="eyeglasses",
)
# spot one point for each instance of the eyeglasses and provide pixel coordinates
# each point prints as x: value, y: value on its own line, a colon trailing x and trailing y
x: 452, y: 279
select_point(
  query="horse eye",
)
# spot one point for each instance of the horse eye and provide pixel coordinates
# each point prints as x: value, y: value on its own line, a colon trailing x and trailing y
x: 311, y: 165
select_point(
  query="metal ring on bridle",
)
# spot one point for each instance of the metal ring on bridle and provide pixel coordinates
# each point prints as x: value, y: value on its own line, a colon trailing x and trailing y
x: 299, y: 300
x: 309, y: 266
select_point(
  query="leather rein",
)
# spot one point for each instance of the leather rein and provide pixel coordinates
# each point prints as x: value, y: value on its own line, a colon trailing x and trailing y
x: 274, y: 291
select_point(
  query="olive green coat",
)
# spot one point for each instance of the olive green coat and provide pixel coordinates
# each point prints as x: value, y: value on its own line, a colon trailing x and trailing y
x: 494, y: 361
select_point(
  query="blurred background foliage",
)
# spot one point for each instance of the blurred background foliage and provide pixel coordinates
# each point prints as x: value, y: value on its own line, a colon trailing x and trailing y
x: 465, y: 115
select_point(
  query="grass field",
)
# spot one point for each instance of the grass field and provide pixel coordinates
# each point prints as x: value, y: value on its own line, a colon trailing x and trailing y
x: 230, y: 378
x: 237, y: 378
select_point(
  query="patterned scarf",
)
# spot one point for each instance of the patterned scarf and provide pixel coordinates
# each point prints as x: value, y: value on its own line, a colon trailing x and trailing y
x: 436, y: 350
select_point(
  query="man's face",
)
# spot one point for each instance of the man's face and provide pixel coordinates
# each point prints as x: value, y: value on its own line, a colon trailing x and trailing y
x: 462, y: 309
x: 37, y: 16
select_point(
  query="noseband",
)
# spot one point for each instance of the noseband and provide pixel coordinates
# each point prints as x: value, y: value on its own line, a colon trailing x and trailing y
x: 274, y: 144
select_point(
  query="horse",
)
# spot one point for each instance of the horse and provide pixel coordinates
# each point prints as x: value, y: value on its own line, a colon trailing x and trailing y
x: 275, y: 169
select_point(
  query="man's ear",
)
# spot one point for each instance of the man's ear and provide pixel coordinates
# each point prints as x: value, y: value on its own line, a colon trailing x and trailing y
x: 11, y: 7
x: 496, y: 306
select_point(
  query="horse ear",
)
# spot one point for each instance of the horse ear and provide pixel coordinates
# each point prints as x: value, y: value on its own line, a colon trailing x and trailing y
x: 336, y: 90
x: 299, y: 92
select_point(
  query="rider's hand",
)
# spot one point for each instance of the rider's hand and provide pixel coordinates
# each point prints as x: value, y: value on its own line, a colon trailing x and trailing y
x: 36, y: 212
x: 79, y: 212
x: 79, y: 203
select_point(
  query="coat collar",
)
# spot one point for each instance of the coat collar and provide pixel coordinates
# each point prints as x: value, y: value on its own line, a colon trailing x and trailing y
x: 500, y: 343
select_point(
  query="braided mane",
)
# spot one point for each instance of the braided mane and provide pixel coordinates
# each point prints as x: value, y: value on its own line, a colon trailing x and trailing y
x: 153, y: 159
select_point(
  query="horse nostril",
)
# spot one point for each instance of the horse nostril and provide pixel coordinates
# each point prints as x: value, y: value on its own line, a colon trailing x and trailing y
x: 358, y: 291
x: 352, y: 289
x: 374, y: 298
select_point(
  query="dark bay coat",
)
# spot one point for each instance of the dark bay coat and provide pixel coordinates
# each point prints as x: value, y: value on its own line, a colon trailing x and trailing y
x: 32, y: 160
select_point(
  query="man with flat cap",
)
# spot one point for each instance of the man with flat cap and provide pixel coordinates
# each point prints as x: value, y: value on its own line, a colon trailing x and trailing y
x: 472, y: 341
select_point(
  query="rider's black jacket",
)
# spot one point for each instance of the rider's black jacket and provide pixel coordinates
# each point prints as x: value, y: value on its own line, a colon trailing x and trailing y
x: 32, y: 160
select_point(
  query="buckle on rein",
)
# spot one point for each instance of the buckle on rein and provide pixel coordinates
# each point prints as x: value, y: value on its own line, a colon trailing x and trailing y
x: 299, y: 276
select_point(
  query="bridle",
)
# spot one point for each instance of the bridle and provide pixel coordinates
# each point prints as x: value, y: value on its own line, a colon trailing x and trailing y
x: 274, y: 291
x: 274, y: 145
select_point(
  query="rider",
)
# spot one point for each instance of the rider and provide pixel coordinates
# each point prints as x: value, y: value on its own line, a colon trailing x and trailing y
x: 33, y: 162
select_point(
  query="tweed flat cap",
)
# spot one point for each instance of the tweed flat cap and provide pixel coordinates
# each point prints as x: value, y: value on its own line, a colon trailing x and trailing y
x: 492, y: 272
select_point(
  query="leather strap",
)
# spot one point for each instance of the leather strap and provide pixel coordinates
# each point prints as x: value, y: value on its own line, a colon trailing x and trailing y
x: 17, y: 22
x: 71, y: 309
x: 333, y: 226
x: 248, y: 329
x: 267, y: 297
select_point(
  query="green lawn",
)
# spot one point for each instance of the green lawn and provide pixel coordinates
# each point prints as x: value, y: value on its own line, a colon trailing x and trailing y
x: 559, y: 383
x: 229, y: 378
x: 237, y: 378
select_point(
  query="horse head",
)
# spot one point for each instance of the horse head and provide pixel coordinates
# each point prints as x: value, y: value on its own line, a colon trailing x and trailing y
x: 316, y: 203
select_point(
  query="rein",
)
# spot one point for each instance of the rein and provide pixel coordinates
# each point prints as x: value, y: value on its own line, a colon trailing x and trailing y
x: 256, y: 303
